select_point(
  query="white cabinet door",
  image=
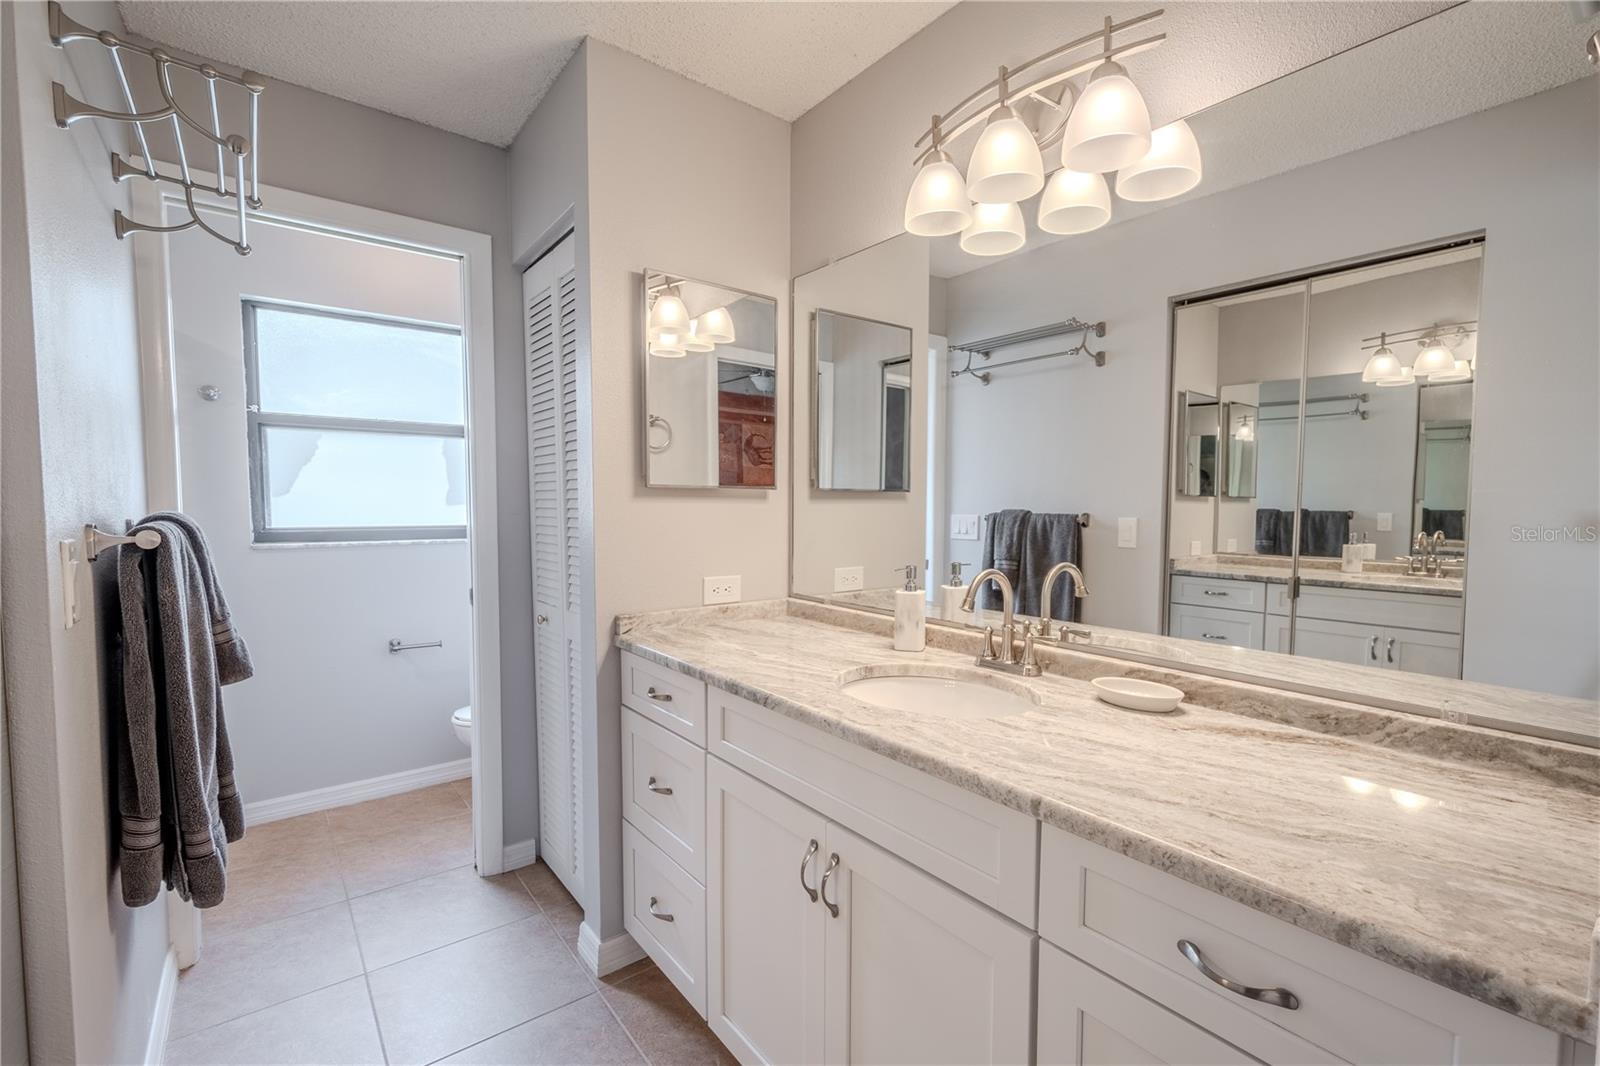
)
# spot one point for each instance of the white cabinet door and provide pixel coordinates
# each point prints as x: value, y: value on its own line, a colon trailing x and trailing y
x: 1087, y: 1019
x: 1340, y: 642
x: 1418, y: 651
x: 1216, y: 625
x: 916, y: 971
x: 765, y: 937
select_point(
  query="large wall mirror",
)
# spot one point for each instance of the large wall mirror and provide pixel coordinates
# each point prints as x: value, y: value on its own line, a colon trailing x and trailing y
x: 1339, y: 412
x: 710, y: 385
x: 861, y: 419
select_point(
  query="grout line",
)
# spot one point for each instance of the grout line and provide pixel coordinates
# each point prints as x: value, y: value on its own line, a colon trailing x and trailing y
x: 269, y: 1006
x: 398, y: 884
x: 518, y: 1025
x: 377, y: 1023
x: 622, y: 1024
x: 451, y: 943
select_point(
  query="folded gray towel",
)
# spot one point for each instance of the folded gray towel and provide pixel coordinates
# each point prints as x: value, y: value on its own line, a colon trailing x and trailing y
x: 176, y: 796
x: 1004, y: 533
x: 1269, y: 527
x: 1324, y: 533
x: 1050, y: 539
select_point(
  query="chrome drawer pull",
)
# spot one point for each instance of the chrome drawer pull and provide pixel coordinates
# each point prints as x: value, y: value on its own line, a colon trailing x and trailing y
x: 1213, y: 636
x: 659, y: 790
x: 657, y: 914
x: 659, y: 697
x: 1274, y: 997
x: 1372, y: 650
x: 1214, y: 592
x: 1389, y: 650
x: 833, y: 864
x: 810, y: 851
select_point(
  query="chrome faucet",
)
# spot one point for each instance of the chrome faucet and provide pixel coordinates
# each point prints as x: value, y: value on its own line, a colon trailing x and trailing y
x: 1079, y: 591
x: 1421, y: 561
x: 1006, y: 659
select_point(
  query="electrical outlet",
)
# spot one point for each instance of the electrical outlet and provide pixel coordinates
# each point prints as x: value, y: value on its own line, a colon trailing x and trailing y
x: 1194, y: 547
x: 1385, y: 522
x: 721, y: 590
x: 848, y: 579
x: 1233, y: 545
x: 1127, y: 532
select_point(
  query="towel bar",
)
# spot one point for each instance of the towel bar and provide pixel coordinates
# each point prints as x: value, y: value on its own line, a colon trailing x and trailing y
x: 97, y: 540
x: 396, y: 645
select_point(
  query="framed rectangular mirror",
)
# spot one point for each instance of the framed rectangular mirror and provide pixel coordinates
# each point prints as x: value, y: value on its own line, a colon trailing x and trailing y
x: 709, y: 362
x: 861, y: 417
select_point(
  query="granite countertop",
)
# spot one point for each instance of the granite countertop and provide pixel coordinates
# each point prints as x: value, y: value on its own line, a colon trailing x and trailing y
x: 1322, y: 577
x: 1461, y: 855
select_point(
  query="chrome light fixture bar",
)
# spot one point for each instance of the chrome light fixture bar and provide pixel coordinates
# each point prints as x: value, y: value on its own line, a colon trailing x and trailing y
x: 242, y: 151
x: 1435, y: 359
x: 1103, y: 128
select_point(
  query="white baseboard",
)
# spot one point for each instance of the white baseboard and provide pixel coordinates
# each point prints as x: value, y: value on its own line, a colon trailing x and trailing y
x: 522, y: 853
x: 606, y: 956
x: 155, y: 1048
x: 322, y: 799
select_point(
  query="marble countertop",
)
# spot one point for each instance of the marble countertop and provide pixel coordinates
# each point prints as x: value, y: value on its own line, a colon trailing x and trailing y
x: 1465, y: 856
x: 1323, y: 577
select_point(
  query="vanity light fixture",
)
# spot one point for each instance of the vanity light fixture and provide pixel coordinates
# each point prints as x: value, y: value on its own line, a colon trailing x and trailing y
x: 1434, y: 357
x: 1407, y: 376
x: 1246, y: 430
x: 669, y: 319
x: 1104, y: 128
x: 695, y: 341
x: 716, y: 326
x: 1383, y: 365
x: 1462, y: 371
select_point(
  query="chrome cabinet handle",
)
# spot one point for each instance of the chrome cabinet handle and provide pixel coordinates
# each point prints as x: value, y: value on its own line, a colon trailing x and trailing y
x: 660, y: 790
x: 1213, y: 636
x: 1274, y: 997
x: 541, y: 619
x: 810, y: 851
x: 1214, y: 592
x: 659, y: 697
x: 1372, y: 650
x: 1388, y: 651
x: 833, y: 864
x: 657, y: 914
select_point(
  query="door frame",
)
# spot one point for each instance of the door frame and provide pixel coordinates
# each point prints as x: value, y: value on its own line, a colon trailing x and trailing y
x: 151, y: 200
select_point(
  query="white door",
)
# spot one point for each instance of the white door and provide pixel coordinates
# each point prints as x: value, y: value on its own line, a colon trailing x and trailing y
x: 1340, y: 642
x: 764, y: 931
x: 1418, y: 651
x: 916, y: 971
x: 1087, y: 1019
x: 549, y: 291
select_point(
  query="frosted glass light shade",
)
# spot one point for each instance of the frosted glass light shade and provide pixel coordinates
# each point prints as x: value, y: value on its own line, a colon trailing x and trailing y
x: 668, y: 315
x: 1406, y: 377
x: 1434, y: 358
x: 1170, y: 168
x: 697, y: 341
x: 716, y: 326
x: 1381, y: 367
x: 938, y: 204
x: 1006, y: 165
x: 996, y: 229
x: 1074, y: 202
x: 1109, y: 127
x: 1462, y: 371
x: 667, y: 351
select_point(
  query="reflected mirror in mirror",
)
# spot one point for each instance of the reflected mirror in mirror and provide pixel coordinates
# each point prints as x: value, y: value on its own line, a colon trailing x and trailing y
x: 1198, y: 462
x: 710, y: 385
x: 861, y: 421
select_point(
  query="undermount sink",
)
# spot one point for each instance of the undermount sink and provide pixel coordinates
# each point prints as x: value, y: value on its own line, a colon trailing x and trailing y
x: 945, y: 692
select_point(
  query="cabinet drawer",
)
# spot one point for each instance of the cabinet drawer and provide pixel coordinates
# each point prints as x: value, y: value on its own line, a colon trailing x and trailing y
x: 973, y: 844
x: 665, y: 912
x: 1407, y: 610
x: 664, y: 791
x: 666, y: 697
x: 1217, y: 625
x: 1087, y: 1019
x: 1219, y: 592
x: 1126, y: 919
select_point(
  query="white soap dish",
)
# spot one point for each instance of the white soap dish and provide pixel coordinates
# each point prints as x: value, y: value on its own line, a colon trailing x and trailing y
x: 1136, y: 695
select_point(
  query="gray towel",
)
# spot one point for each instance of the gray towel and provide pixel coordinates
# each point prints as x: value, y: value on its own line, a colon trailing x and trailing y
x: 1269, y: 531
x: 1324, y: 533
x: 1003, y: 539
x: 1050, y: 539
x: 176, y: 795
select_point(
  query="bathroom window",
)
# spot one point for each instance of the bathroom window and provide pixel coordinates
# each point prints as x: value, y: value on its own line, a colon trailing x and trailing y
x: 356, y: 427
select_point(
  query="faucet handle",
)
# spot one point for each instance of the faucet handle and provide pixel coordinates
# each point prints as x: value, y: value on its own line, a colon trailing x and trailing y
x: 988, y: 645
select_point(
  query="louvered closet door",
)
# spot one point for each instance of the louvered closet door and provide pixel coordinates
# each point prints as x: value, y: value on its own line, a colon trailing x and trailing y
x: 550, y: 296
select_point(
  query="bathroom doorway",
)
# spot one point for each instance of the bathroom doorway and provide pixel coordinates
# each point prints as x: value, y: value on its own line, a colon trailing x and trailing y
x: 323, y: 407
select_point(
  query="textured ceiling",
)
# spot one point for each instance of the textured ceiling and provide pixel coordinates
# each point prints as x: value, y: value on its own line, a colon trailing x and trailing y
x: 479, y: 68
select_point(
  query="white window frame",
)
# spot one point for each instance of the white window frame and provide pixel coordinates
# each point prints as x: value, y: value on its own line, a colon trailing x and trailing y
x: 258, y: 421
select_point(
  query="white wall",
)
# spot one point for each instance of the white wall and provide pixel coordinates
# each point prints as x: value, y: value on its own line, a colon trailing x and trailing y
x: 72, y: 452
x: 329, y: 704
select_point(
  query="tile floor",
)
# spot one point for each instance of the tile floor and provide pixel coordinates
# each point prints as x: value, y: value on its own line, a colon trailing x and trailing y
x: 364, y: 935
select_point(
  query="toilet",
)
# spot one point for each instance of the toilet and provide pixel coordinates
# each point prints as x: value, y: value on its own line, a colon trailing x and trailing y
x: 461, y: 722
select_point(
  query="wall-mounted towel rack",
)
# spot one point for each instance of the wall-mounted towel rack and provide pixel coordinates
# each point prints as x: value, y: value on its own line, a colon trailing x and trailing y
x: 396, y: 645
x: 1083, y: 519
x: 96, y: 540
x: 984, y: 349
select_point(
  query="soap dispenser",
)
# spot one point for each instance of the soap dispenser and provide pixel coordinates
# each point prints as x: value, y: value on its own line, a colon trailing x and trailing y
x: 952, y: 593
x: 910, y: 614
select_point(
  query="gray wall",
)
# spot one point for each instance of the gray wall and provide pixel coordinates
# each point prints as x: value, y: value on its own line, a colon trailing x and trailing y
x: 13, y: 1003
x: 72, y: 453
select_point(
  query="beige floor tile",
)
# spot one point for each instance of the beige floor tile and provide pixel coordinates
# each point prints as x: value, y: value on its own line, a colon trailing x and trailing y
x: 332, y: 1025
x: 280, y: 841
x: 266, y: 891
x: 463, y: 789
x: 633, y: 969
x: 266, y: 964
x: 662, y: 1023
x: 544, y: 885
x: 421, y: 915
x: 384, y: 859
x: 582, y: 1032
x: 455, y: 996
x: 396, y: 813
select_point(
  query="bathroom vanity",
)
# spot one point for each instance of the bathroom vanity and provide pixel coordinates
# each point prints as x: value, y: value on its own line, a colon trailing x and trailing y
x: 1028, y: 874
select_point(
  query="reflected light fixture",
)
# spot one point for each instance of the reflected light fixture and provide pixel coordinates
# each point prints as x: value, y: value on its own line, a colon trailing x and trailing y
x: 1074, y: 202
x: 668, y: 350
x: 1433, y: 358
x: 1109, y: 127
x: 695, y: 341
x: 1170, y: 168
x: 1246, y: 430
x: 996, y: 229
x: 1383, y: 364
x: 938, y: 204
x: 669, y: 319
x: 1407, y: 376
x: 1006, y: 165
x: 1462, y: 371
x: 716, y: 326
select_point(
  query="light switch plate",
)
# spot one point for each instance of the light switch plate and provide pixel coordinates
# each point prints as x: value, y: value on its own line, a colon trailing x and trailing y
x: 1194, y: 547
x: 1233, y: 544
x: 1385, y: 522
x: 964, y: 527
x: 71, y: 559
x: 723, y: 589
x: 848, y: 579
x: 1127, y: 532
